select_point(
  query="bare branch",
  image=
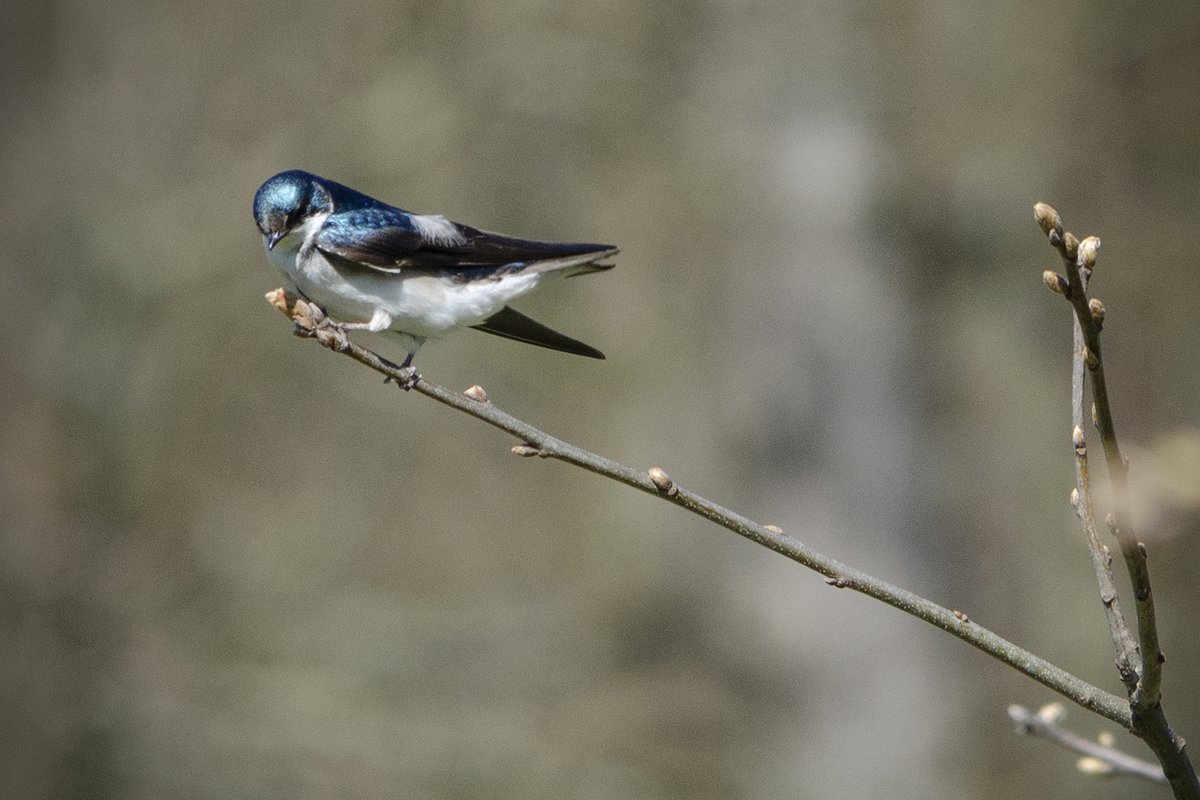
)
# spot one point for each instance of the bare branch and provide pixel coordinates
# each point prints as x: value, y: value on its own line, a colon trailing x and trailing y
x: 1107, y: 760
x: 1149, y: 720
x: 1079, y: 258
x: 1081, y: 498
x: 310, y: 322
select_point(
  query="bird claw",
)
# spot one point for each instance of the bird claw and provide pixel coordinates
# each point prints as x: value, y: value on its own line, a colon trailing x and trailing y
x: 408, y: 377
x: 408, y: 373
x: 333, y: 337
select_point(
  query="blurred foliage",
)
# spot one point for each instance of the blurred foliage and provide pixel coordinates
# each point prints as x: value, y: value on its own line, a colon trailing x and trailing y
x: 233, y: 566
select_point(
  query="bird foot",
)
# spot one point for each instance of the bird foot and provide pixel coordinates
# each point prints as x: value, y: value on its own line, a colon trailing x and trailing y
x: 409, y: 379
x: 333, y: 337
x: 408, y: 373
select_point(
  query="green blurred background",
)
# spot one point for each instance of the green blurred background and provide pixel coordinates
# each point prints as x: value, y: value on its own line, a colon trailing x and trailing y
x: 233, y: 565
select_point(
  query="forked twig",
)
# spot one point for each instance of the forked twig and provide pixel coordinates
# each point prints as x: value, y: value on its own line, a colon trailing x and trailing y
x: 1139, y: 665
x: 310, y: 322
x: 1098, y: 758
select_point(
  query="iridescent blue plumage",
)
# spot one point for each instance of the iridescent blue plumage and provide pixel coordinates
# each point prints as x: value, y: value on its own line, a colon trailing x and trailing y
x: 366, y: 260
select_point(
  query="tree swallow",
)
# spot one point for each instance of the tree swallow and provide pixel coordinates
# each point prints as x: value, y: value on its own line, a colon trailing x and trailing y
x: 375, y: 267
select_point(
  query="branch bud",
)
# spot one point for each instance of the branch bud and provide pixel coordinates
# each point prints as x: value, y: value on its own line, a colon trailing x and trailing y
x: 1090, y: 359
x: 307, y: 314
x: 1087, y: 252
x: 1089, y: 765
x: 526, y: 451
x: 1047, y: 218
x: 1070, y: 246
x: 477, y: 394
x: 1097, y: 310
x: 662, y: 481
x: 278, y: 300
x: 1078, y: 440
x: 773, y: 528
x: 1052, y: 713
x: 1055, y: 282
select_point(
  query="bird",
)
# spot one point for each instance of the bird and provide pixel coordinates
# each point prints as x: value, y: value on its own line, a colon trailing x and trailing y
x: 375, y: 267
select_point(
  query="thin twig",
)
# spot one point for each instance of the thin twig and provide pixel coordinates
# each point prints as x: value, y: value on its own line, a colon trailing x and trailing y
x: 1045, y: 724
x: 1074, y: 256
x: 1149, y: 720
x: 310, y: 322
x: 1123, y: 644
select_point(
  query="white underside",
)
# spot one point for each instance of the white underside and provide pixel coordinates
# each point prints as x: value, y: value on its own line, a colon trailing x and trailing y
x: 416, y: 308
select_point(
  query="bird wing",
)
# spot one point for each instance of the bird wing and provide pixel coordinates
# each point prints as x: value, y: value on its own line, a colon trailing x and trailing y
x: 391, y: 240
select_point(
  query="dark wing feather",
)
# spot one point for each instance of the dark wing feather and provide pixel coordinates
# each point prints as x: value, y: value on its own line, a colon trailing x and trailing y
x: 386, y: 239
x: 514, y: 325
x: 496, y: 249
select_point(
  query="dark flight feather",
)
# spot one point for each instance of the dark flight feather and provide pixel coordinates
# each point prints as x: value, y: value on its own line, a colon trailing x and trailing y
x: 514, y: 325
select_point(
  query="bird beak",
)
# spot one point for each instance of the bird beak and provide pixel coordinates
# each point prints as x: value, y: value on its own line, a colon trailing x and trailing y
x: 273, y: 239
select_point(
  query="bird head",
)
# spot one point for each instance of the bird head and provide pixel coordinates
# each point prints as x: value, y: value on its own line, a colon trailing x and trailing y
x: 286, y: 201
